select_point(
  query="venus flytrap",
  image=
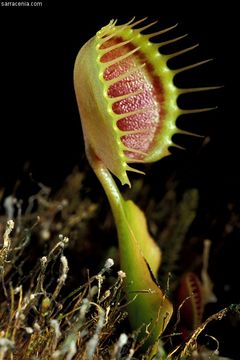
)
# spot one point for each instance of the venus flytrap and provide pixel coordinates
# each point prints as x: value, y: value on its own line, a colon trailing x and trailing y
x: 193, y: 294
x: 147, y: 303
x: 128, y: 106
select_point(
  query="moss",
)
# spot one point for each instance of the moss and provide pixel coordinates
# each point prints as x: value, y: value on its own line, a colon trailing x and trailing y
x: 52, y: 307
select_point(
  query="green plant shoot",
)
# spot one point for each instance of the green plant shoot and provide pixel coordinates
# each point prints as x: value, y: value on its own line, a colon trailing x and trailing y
x: 128, y: 107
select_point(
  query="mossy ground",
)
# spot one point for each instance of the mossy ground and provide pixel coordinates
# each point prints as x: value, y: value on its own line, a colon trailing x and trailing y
x: 60, y: 296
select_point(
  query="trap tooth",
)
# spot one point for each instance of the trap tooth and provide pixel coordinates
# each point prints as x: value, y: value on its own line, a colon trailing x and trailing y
x: 121, y: 76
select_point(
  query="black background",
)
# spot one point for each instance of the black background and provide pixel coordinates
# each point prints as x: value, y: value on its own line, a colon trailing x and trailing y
x: 39, y: 121
x: 39, y: 117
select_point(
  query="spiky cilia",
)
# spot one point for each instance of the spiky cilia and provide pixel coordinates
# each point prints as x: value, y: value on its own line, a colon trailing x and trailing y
x: 128, y: 105
x: 190, y: 297
x: 128, y: 100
